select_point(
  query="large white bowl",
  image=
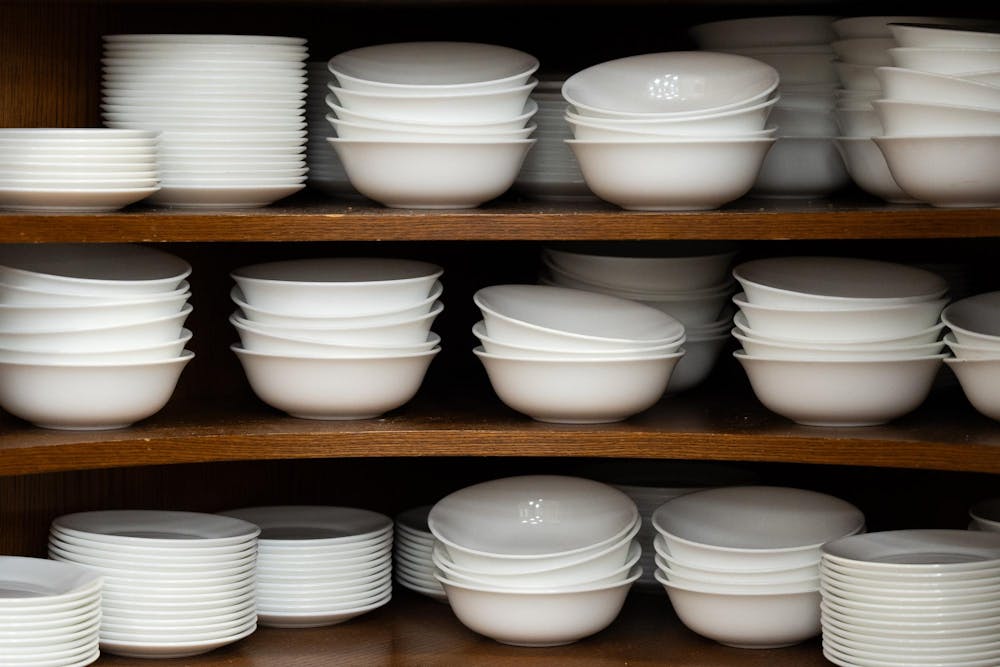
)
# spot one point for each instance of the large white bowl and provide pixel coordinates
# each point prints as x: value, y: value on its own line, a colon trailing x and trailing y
x: 100, y: 339
x: 456, y: 107
x: 764, y: 31
x: 946, y: 60
x: 538, y: 617
x: 638, y: 273
x: 504, y: 349
x: 431, y: 174
x: 868, y: 169
x: 667, y: 84
x: 980, y: 379
x: 257, y: 340
x: 800, y: 168
x: 307, y: 321
x: 922, y: 119
x: 724, y: 123
x: 404, y: 332
x: 671, y: 174
x: 367, y: 131
x: 841, y: 393
x: 975, y: 320
x: 88, y: 397
x: 915, y: 86
x: 928, y: 335
x: 159, y: 351
x: 331, y: 388
x: 946, y: 171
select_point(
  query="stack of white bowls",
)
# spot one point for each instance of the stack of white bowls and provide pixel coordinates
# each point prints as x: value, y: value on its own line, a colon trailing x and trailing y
x: 176, y: 584
x: 432, y: 124
x: 741, y: 564
x: 571, y: 356
x: 550, y: 171
x: 537, y: 560
x: 986, y: 515
x: 412, y: 564
x: 940, y: 117
x: 319, y: 565
x: 229, y: 109
x: 690, y: 140
x: 834, y: 341
x: 91, y: 336
x: 336, y: 338
x: 326, y: 173
x: 50, y: 613
x: 804, y: 162
x: 912, y: 597
x: 73, y: 170
x: 694, y: 289
x: 974, y: 339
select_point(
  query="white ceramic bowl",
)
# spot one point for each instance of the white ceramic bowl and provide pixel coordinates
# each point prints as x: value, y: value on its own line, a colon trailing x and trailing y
x: 946, y: 60
x: 868, y: 169
x: 690, y: 570
x: 708, y: 586
x: 841, y: 393
x: 764, y: 31
x: 637, y: 273
x: 256, y: 340
x: 29, y: 318
x: 978, y: 378
x: 431, y: 174
x: 975, y: 320
x: 928, y: 335
x: 503, y: 349
x: 308, y: 321
x: 915, y: 86
x: 447, y: 106
x: 88, y: 397
x: 864, y: 50
x: 735, y: 122
x: 404, y: 332
x: 367, y: 131
x: 945, y: 171
x: 921, y: 119
x: 434, y: 125
x: 878, y: 26
x: 699, y: 83
x: 586, y: 131
x: 971, y: 351
x: 159, y: 351
x: 100, y: 339
x: 14, y: 295
x: 800, y: 168
x: 806, y: 352
x: 666, y: 175
x: 332, y: 388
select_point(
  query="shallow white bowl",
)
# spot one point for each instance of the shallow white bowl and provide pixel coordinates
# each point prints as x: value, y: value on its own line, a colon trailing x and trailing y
x: 915, y: 86
x: 331, y: 388
x: 975, y: 320
x: 447, y: 106
x: 26, y: 296
x: 503, y: 349
x: 306, y: 321
x: 436, y: 125
x: 979, y: 380
x: 946, y: 60
x: 367, y: 131
x: 927, y: 335
x: 841, y: 393
x: 801, y: 168
x: 256, y: 340
x: 637, y: 273
x: 972, y: 352
x: 916, y: 552
x: 920, y: 119
x: 864, y: 50
x: 751, y: 118
x: 806, y: 352
x: 159, y: 351
x: 868, y: 169
x: 775, y: 574
x: 404, y: 332
x: 100, y: 339
x: 946, y: 171
x: 699, y: 83
x: 664, y: 175
x: 764, y: 31
x: 431, y: 174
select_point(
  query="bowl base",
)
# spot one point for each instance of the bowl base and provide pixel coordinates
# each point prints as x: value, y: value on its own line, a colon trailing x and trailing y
x: 89, y: 427
x: 564, y: 420
x: 325, y: 417
x: 539, y: 644
x: 842, y: 424
x: 763, y: 646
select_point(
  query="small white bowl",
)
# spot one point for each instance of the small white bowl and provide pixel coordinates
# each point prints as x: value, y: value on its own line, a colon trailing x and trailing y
x: 724, y: 123
x: 436, y: 175
x: 801, y: 168
x: 962, y: 351
x: 946, y: 61
x: 30, y: 319
x: 928, y: 335
x: 367, y: 131
x: 579, y: 391
x: 773, y: 574
x: 403, y: 332
x: 644, y: 273
x: 944, y: 37
x: 453, y: 107
x: 503, y: 349
x: 88, y: 397
x: 868, y: 169
x: 100, y: 339
x: 914, y: 86
x: 979, y: 379
x: 921, y: 119
x: 537, y: 617
x: 864, y: 50
x: 157, y: 352
x: 807, y: 352
x: 334, y: 389
x: 764, y: 31
x: 946, y: 171
x: 841, y: 393
x: 256, y: 340
x: 671, y: 175
x: 436, y: 125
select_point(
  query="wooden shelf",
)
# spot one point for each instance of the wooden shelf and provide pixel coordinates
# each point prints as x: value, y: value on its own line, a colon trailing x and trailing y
x: 416, y: 631
x: 944, y: 434
x: 307, y: 219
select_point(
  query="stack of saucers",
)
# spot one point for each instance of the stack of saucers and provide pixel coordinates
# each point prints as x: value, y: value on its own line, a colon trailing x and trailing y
x: 741, y: 564
x: 912, y: 597
x: 694, y: 289
x: 50, y: 613
x: 229, y: 109
x: 839, y: 341
x: 566, y: 355
x: 326, y: 173
x: 176, y: 584
x: 974, y: 339
x: 412, y: 552
x: 69, y: 170
x: 550, y: 171
x: 91, y: 335
x: 692, y: 140
x: 319, y: 565
x: 432, y: 124
x: 537, y: 560
x: 986, y: 515
x: 804, y: 161
x: 336, y: 338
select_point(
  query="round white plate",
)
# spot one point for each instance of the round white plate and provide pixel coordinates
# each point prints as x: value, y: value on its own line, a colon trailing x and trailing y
x: 315, y: 619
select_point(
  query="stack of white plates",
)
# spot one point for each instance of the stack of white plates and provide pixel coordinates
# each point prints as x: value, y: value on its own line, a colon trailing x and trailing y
x: 692, y: 140
x: 68, y: 170
x: 912, y: 597
x: 326, y: 173
x: 412, y: 553
x: 50, y: 613
x: 986, y: 515
x: 571, y: 356
x: 337, y: 338
x: 975, y: 341
x: 538, y: 560
x: 432, y: 124
x: 91, y: 335
x: 229, y: 109
x: 839, y: 341
x: 741, y: 564
x: 550, y: 171
x: 319, y: 565
x: 176, y: 584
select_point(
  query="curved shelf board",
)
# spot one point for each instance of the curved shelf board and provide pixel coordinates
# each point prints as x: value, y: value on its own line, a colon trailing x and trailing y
x: 944, y: 434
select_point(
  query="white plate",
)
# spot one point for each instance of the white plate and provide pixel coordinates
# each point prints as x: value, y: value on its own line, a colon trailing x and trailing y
x: 207, y: 197
x: 245, y: 41
x: 916, y: 550
x: 182, y: 649
x: 66, y: 200
x: 149, y: 527
x: 306, y: 619
x: 35, y: 582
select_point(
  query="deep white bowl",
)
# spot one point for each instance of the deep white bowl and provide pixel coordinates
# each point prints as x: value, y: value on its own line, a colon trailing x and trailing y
x: 979, y: 379
x: 156, y: 352
x: 868, y: 169
x: 644, y: 273
x: 503, y: 349
x: 764, y: 31
x: 946, y: 60
x: 922, y: 119
x: 946, y: 171
x: 456, y: 107
x: 841, y: 393
x: 724, y: 123
x: 38, y: 318
x: 801, y: 168
x: 915, y: 86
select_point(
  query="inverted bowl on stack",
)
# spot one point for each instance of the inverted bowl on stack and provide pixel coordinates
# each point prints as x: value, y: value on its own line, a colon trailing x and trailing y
x: 741, y: 564
x: 571, y: 356
x: 413, y: 550
x: 336, y: 338
x: 92, y: 335
x: 537, y: 560
x: 319, y: 565
x: 73, y: 170
x: 692, y: 140
x: 839, y: 341
x: 431, y: 124
x: 908, y: 597
x: 176, y: 584
x: 229, y: 109
x: 974, y: 323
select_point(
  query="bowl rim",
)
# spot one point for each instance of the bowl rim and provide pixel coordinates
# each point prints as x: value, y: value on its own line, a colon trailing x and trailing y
x: 239, y: 350
x: 727, y: 593
x: 440, y: 97
x: 184, y: 357
x: 480, y: 352
x: 944, y: 356
x: 632, y: 577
